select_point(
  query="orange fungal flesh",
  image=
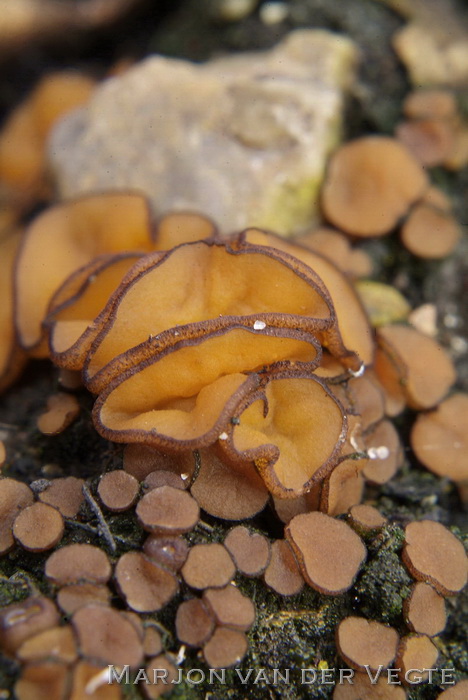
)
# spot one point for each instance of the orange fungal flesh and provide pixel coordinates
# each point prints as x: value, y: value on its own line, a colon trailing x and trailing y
x: 426, y: 371
x: 184, y: 398
x: 197, y: 282
x: 76, y: 322
x: 305, y: 424
x: 66, y: 237
x: 11, y: 357
x: 182, y: 227
x: 354, y: 330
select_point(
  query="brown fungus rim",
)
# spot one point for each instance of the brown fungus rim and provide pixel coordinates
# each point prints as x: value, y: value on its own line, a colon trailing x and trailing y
x: 96, y: 381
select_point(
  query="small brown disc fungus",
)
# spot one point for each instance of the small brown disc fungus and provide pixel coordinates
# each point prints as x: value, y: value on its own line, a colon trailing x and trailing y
x: 78, y: 562
x: 62, y: 410
x: 424, y: 610
x: 343, y: 488
x: 230, y: 607
x: 92, y: 680
x: 14, y: 496
x: 163, y: 477
x: 169, y: 551
x: 456, y: 692
x: 364, y: 518
x: 106, y: 635
x: 118, y: 490
x: 440, y: 440
x: 194, y: 622
x: 431, y: 141
x: 75, y: 596
x: 434, y: 103
x: 226, y: 648
x: 141, y: 460
x: 336, y: 247
x: 145, y: 585
x: 426, y: 371
x: 364, y: 688
x: 38, y: 527
x: 364, y: 643
x: 313, y: 536
x: 228, y: 491
x: 282, y: 573
x: 250, y: 550
x: 164, y: 672
x: 20, y: 621
x: 65, y: 494
x: 208, y: 566
x: 385, y: 453
x: 152, y: 642
x: 55, y: 643
x: 167, y: 510
x: 430, y: 233
x: 41, y: 680
x: 434, y: 555
x: 366, y: 170
x: 416, y: 652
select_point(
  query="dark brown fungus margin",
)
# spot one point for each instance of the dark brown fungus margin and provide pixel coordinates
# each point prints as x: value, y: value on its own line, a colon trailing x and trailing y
x: 232, y: 287
x: 313, y: 536
x: 185, y: 397
x: 292, y: 429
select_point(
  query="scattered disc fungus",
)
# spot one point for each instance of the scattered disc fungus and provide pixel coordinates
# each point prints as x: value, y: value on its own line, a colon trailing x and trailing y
x: 364, y: 643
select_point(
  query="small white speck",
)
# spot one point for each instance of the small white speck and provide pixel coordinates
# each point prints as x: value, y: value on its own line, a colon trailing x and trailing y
x: 259, y: 325
x: 223, y: 436
x: 181, y: 655
x: 359, y: 372
x: 184, y: 477
x: 381, y: 452
x: 176, y: 332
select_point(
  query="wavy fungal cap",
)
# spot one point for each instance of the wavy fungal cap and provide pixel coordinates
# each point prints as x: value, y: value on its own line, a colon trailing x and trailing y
x: 73, y: 234
x: 196, y: 283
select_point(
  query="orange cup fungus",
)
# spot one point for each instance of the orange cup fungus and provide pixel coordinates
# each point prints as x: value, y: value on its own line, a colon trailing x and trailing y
x: 238, y: 371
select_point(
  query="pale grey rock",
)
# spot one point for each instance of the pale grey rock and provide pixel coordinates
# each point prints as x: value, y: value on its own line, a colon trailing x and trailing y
x: 243, y: 139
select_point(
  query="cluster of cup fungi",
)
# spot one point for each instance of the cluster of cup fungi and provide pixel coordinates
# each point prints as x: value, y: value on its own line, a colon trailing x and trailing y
x: 241, y: 373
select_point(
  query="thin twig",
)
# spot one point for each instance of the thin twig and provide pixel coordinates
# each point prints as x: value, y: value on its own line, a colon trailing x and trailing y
x: 103, y: 526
